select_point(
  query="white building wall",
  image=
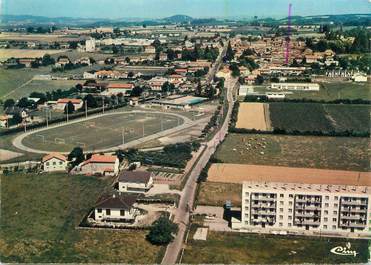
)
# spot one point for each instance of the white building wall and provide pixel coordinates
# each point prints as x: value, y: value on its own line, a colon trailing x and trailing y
x: 102, y: 214
x: 55, y: 164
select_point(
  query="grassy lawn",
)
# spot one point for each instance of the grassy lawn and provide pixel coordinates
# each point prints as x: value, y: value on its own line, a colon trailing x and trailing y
x: 238, y: 248
x: 39, y: 215
x: 346, y: 153
x: 319, y: 117
x: 215, y: 193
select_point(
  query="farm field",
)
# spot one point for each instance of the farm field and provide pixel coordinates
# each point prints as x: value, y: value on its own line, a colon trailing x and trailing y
x: 216, y: 193
x: 345, y: 153
x: 25, y: 53
x: 38, y: 225
x: 329, y: 91
x: 44, y: 86
x: 101, y: 132
x: 309, y: 117
x: 253, y: 116
x: 242, y: 248
x: 336, y: 90
x: 10, y: 85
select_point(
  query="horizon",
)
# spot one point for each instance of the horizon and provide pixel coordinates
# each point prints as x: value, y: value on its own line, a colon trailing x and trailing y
x: 156, y: 9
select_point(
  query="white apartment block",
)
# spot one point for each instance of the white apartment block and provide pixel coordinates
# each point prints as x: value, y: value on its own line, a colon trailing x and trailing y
x: 296, y: 86
x: 310, y: 209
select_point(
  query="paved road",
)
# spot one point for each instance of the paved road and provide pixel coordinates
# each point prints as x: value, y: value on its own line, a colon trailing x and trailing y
x: 187, y: 200
x: 17, y: 142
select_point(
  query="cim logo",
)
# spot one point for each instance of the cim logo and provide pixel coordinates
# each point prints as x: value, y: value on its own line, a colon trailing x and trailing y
x: 344, y: 251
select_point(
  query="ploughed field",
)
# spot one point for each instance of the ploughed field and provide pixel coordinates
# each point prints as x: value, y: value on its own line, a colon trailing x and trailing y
x: 101, y: 132
x: 326, y: 118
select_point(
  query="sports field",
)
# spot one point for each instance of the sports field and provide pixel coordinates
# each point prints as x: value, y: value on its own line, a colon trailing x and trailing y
x: 101, y: 132
x: 253, y: 116
x: 309, y: 117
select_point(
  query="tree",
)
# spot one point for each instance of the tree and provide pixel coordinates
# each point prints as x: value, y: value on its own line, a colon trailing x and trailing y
x: 162, y: 231
x: 167, y: 87
x: 9, y: 103
x: 259, y: 80
x: 17, y: 118
x: 91, y: 102
x: 198, y: 91
x: 47, y: 60
x: 69, y: 108
x: 171, y: 55
x: 24, y: 103
x: 230, y: 53
x: 137, y: 91
x: 235, y: 70
x: 76, y: 156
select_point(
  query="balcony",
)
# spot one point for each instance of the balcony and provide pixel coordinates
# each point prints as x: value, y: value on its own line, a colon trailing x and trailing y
x: 353, y: 210
x: 268, y: 213
x: 353, y: 225
x: 354, y: 202
x: 308, y: 207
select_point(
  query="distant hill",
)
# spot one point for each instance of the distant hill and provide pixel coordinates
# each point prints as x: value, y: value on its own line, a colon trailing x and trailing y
x: 178, y: 19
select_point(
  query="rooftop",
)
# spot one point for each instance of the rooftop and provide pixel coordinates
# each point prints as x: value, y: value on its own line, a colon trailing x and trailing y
x: 135, y: 176
x: 54, y: 155
x: 116, y: 201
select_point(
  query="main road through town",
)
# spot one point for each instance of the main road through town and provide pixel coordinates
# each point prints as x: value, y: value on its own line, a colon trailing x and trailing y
x: 186, y: 201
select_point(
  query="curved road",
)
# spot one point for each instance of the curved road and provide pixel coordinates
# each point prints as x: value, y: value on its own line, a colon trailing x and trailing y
x: 187, y: 123
x: 186, y: 201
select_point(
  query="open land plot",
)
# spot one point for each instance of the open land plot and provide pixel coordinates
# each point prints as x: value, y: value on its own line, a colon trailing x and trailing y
x: 346, y: 153
x: 216, y: 193
x: 75, y: 55
x: 44, y: 86
x: 239, y: 173
x: 38, y: 224
x: 253, y: 116
x: 25, y: 53
x: 329, y: 91
x: 240, y: 248
x: 38, y: 37
x: 319, y: 117
x: 12, y: 80
x: 101, y: 132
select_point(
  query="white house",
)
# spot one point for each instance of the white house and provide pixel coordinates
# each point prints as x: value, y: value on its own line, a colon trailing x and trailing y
x: 106, y: 165
x: 358, y: 77
x: 296, y: 86
x: 117, y: 88
x: 54, y: 162
x: 116, y: 208
x: 135, y: 181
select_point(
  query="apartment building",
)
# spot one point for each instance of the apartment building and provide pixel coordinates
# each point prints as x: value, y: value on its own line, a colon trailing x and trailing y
x: 296, y: 86
x: 312, y: 209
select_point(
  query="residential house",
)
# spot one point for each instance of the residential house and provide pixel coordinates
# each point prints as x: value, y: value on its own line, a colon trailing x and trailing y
x: 62, y: 102
x: 27, y: 62
x: 106, y: 165
x: 135, y: 181
x: 62, y: 61
x: 54, y: 162
x: 116, y: 208
x: 4, y: 121
x: 14, y: 110
x: 124, y: 88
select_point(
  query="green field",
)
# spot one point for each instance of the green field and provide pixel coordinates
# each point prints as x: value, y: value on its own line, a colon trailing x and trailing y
x: 38, y: 218
x: 44, y: 86
x: 334, y: 91
x: 319, y: 117
x: 13, y: 79
x: 346, y: 153
x: 239, y: 248
x: 101, y: 132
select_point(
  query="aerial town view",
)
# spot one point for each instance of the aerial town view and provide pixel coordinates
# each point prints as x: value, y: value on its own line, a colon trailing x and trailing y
x: 185, y: 131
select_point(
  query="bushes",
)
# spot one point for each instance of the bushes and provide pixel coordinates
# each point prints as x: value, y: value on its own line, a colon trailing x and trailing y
x: 162, y: 231
x: 174, y: 155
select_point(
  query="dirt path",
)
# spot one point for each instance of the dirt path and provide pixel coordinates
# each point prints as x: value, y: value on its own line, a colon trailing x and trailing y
x: 267, y: 117
x: 23, y: 85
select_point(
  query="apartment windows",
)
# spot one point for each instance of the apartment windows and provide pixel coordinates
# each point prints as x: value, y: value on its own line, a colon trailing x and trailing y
x: 122, y: 212
x: 290, y: 203
x: 291, y: 196
x: 281, y: 210
x: 290, y: 224
x: 325, y: 212
x: 281, y: 202
x: 326, y: 205
x: 282, y: 195
x: 335, y: 212
x: 334, y: 227
x: 99, y: 210
x: 325, y: 219
x: 325, y: 227
x: 281, y: 217
x: 336, y: 198
x: 335, y: 205
x: 281, y: 224
x: 334, y: 219
x: 290, y: 217
x: 327, y: 198
x: 108, y: 212
x: 290, y: 210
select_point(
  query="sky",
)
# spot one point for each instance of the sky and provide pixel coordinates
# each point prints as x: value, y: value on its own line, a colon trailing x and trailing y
x: 196, y: 8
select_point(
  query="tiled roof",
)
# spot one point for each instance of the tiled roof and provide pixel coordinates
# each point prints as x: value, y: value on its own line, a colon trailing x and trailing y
x: 116, y: 201
x: 66, y: 100
x: 54, y: 155
x: 135, y: 176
